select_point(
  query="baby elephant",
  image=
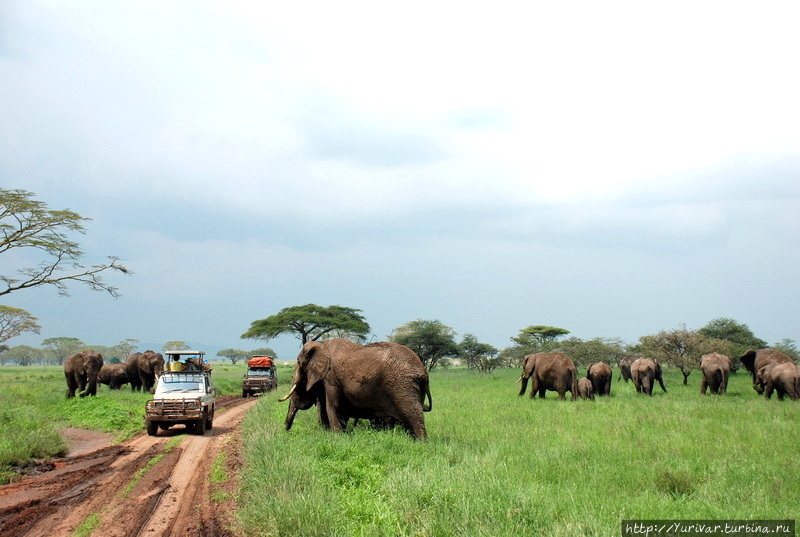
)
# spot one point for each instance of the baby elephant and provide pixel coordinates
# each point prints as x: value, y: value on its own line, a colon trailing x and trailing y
x: 783, y: 378
x: 585, y: 389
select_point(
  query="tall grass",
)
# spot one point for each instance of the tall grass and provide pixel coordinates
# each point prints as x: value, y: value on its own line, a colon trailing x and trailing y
x: 33, y: 408
x: 496, y: 464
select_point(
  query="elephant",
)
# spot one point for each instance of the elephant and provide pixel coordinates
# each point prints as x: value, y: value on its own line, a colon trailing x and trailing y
x: 304, y: 399
x: 716, y: 369
x: 643, y: 372
x: 585, y: 389
x: 782, y: 377
x: 113, y: 375
x: 625, y: 368
x: 376, y: 381
x: 599, y: 373
x: 143, y: 368
x: 81, y: 370
x: 555, y: 372
x: 754, y: 360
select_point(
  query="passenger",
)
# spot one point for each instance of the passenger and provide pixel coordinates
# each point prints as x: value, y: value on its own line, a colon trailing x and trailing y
x: 176, y: 364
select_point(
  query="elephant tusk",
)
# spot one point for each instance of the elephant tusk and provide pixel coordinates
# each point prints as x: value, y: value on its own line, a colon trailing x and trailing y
x: 519, y: 380
x: 285, y: 397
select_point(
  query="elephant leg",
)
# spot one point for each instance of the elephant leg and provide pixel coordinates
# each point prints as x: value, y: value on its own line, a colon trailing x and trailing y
x: 534, y: 387
x: 703, y: 385
x: 72, y: 385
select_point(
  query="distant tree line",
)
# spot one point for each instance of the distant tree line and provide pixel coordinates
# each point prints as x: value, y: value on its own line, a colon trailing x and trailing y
x: 436, y: 343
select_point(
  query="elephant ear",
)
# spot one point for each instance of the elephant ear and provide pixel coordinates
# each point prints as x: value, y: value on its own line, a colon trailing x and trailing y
x: 316, y: 363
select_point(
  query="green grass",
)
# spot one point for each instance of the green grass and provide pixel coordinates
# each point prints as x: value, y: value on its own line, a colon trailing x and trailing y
x: 33, y: 408
x: 496, y: 464
x: 88, y: 526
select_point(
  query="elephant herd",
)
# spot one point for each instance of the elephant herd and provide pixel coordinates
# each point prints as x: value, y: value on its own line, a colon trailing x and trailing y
x: 387, y: 383
x: 85, y: 369
x: 771, y: 371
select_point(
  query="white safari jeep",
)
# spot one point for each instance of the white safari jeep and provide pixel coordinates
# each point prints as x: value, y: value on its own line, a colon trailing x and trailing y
x: 183, y: 394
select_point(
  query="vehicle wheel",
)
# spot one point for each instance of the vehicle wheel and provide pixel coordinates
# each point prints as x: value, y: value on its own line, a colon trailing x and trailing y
x: 200, y: 426
x: 152, y: 428
x: 210, y: 421
x: 244, y: 393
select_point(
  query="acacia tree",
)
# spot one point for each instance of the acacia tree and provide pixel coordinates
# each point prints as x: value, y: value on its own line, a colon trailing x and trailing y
x: 234, y: 355
x: 15, y: 321
x: 477, y: 355
x: 24, y: 355
x: 530, y: 340
x: 175, y: 346
x: 681, y: 348
x: 62, y: 347
x: 26, y: 223
x: 431, y: 340
x: 585, y: 352
x: 311, y: 323
x: 126, y: 347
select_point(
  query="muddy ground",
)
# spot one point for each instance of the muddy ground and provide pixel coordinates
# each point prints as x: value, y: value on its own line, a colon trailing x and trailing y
x: 140, y: 487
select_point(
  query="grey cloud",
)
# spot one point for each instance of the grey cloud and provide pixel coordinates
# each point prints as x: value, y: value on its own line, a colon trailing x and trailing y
x: 334, y: 132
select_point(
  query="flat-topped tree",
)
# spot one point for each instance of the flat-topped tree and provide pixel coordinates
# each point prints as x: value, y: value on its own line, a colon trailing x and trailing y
x: 311, y: 323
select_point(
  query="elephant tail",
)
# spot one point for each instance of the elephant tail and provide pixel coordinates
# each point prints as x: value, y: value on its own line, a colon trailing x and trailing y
x: 425, y: 387
x: 574, y: 384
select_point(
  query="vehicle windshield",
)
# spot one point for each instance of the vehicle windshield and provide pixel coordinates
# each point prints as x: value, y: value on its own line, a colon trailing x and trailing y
x: 180, y: 383
x: 260, y: 372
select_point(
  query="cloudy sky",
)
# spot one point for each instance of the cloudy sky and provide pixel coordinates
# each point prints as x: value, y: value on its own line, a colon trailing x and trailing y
x: 612, y: 168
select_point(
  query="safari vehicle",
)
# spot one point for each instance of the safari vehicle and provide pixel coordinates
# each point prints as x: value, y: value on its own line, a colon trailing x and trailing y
x: 182, y: 396
x: 260, y: 377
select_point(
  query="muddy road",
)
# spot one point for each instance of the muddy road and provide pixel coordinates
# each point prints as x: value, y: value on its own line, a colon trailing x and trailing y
x: 147, y: 486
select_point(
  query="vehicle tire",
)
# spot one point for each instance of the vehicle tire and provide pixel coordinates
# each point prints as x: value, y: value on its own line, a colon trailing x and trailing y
x: 152, y: 428
x: 210, y: 421
x: 244, y: 393
x: 200, y: 426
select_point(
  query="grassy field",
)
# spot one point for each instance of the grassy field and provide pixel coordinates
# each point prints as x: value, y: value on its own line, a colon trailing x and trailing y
x: 33, y: 408
x: 496, y: 464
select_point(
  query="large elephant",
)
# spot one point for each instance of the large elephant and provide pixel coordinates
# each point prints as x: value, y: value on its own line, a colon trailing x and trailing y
x: 376, y: 381
x: 625, y: 367
x: 303, y: 399
x: 599, y: 373
x: 555, y: 372
x: 143, y: 368
x: 716, y: 369
x: 782, y: 377
x: 81, y: 370
x: 643, y: 372
x: 113, y: 375
x: 585, y: 389
x: 754, y: 360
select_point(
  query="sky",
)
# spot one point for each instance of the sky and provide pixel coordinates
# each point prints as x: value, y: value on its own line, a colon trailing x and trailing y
x: 612, y: 168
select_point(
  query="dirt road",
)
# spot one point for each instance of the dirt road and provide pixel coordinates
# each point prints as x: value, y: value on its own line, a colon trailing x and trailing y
x: 153, y: 486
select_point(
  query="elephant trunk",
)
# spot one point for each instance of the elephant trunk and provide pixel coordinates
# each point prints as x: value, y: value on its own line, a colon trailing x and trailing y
x: 290, y: 414
x: 524, y: 380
